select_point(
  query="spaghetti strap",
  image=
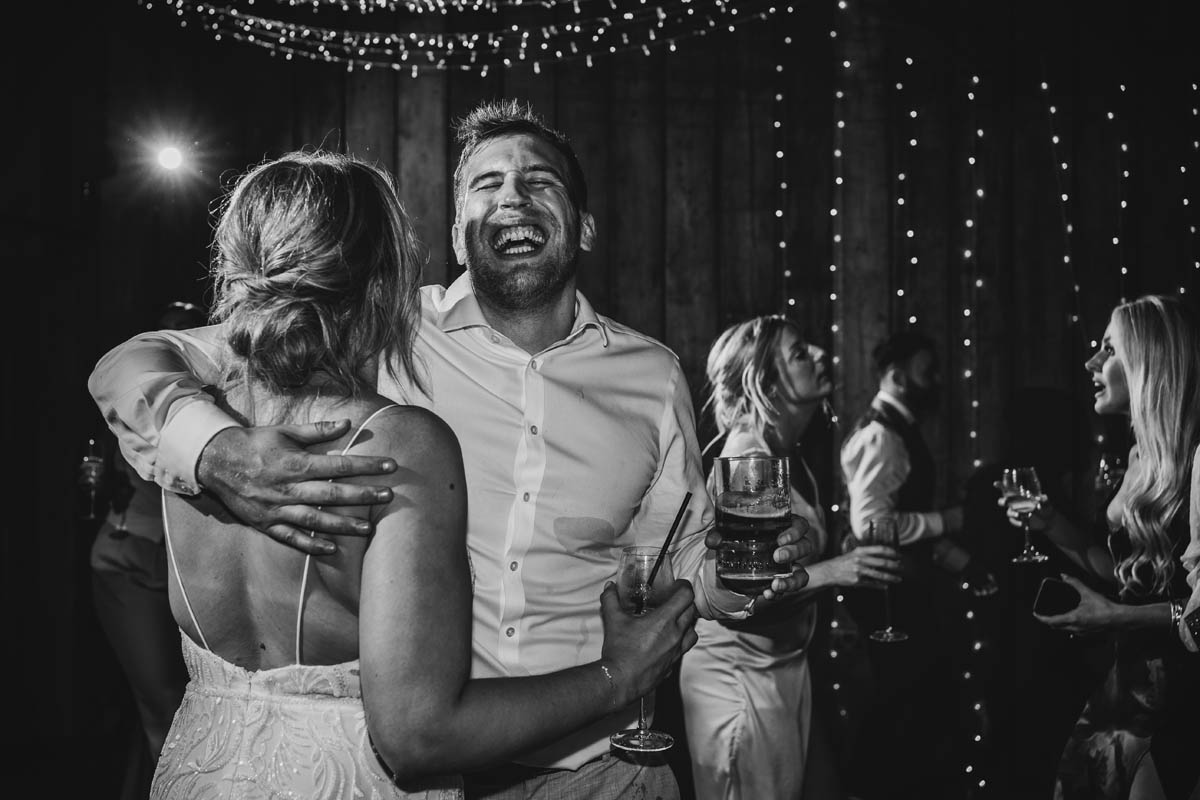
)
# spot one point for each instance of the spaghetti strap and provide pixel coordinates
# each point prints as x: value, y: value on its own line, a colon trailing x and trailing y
x: 308, y: 558
x: 179, y: 577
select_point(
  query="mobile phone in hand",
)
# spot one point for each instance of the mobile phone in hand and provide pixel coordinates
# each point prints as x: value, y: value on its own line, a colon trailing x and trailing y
x: 1055, y: 597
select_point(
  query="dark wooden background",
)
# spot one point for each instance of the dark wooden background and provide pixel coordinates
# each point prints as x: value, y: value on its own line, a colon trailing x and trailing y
x: 681, y: 150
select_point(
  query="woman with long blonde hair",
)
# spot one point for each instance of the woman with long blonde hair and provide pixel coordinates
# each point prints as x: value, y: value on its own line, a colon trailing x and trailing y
x: 1132, y: 739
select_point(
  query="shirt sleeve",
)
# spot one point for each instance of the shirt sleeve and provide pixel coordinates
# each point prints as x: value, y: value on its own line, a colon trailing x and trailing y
x: 680, y: 472
x: 875, y: 465
x: 150, y: 390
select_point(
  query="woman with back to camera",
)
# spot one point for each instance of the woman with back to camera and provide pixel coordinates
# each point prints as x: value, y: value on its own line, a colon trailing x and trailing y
x: 347, y: 675
x: 746, y: 686
x: 1137, y: 737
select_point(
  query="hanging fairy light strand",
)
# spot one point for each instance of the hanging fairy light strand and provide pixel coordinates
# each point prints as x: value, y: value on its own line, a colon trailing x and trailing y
x: 780, y: 117
x: 1061, y: 175
x: 1189, y: 211
x: 643, y: 27
x: 839, y: 128
x: 836, y: 635
x: 1118, y: 239
x: 906, y: 252
x: 974, y: 281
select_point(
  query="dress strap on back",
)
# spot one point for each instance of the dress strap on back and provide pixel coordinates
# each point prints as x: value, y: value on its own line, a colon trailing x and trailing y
x: 308, y: 558
x: 175, y: 566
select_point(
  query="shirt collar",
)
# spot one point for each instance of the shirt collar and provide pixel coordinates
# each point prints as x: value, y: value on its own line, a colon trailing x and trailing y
x: 461, y: 310
x: 890, y: 399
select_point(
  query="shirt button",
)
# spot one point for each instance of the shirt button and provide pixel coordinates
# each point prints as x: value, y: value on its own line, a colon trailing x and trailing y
x: 509, y: 633
x: 513, y: 566
x: 525, y: 497
x: 533, y: 364
x: 533, y: 429
x: 495, y: 339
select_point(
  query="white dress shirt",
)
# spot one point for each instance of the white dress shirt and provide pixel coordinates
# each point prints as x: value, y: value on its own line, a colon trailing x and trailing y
x: 570, y: 455
x: 875, y: 465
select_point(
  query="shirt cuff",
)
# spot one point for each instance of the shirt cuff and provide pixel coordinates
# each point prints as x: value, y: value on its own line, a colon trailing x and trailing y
x: 183, y: 438
x: 714, y: 601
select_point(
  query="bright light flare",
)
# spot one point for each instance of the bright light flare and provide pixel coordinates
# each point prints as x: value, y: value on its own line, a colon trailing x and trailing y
x: 170, y: 158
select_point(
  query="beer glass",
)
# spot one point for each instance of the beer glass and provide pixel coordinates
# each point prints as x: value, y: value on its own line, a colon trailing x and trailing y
x: 753, y: 505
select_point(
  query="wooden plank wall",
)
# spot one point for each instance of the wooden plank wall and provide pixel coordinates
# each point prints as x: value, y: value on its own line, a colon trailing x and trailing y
x: 681, y: 149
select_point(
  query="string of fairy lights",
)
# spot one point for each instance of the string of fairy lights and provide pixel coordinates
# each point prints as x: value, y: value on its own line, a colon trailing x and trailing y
x: 975, y: 713
x: 591, y: 28
x: 1118, y: 239
x: 1061, y: 173
x: 1193, y: 249
x: 835, y: 330
x: 906, y: 250
x: 780, y: 118
x: 974, y: 281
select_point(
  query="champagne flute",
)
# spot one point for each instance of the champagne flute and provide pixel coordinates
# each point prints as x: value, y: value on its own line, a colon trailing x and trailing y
x: 883, y: 530
x: 637, y: 595
x: 1022, y: 492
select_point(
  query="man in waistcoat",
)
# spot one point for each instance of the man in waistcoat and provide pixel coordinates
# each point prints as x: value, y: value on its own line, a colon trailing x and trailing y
x: 904, y: 740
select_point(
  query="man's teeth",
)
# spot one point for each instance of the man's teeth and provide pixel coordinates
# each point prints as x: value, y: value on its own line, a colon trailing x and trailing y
x: 523, y: 239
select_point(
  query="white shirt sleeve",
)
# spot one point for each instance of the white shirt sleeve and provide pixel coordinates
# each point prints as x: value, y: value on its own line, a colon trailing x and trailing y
x: 150, y: 390
x: 680, y: 472
x: 875, y: 465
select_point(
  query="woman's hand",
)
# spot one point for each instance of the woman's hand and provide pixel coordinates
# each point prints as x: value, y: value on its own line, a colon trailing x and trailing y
x: 869, y: 564
x: 1094, y: 614
x: 1039, y: 518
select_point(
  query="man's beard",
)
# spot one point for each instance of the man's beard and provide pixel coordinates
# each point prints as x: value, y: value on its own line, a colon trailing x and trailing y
x: 519, y: 288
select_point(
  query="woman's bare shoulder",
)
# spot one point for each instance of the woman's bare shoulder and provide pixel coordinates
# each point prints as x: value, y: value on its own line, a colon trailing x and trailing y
x: 397, y: 430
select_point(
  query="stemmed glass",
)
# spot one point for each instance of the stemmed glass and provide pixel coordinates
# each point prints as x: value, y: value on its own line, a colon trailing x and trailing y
x: 883, y: 530
x: 637, y: 596
x: 1022, y: 492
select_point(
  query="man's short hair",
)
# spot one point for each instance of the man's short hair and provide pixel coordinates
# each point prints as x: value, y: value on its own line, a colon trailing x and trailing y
x: 897, y: 349
x: 492, y: 120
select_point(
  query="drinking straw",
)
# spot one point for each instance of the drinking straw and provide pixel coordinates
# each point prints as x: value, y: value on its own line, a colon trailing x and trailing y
x: 663, y: 552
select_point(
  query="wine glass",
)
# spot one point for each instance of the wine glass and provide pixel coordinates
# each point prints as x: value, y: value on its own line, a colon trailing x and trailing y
x: 637, y: 595
x: 1022, y: 492
x: 883, y: 530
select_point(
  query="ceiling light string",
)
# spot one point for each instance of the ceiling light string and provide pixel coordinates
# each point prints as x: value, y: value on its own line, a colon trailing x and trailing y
x: 643, y: 28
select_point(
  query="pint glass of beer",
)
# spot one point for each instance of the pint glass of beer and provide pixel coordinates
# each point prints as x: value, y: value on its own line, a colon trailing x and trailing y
x: 753, y: 505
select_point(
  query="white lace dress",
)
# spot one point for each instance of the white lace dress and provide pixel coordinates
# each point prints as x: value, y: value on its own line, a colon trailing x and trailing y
x: 298, y: 731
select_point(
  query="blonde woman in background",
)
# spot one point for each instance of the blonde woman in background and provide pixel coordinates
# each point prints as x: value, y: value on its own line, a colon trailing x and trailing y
x: 1137, y: 737
x: 746, y: 687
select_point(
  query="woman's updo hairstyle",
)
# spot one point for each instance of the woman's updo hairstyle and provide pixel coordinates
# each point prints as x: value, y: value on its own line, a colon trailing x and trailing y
x: 315, y: 268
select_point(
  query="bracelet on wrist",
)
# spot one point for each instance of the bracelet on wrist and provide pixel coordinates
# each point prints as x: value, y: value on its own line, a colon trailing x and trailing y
x: 614, y: 694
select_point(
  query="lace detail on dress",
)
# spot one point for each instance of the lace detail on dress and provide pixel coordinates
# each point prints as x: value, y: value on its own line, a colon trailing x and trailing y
x: 298, y: 731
